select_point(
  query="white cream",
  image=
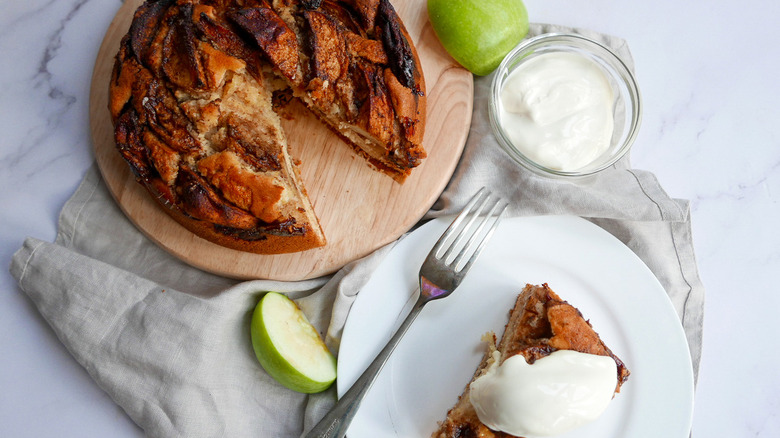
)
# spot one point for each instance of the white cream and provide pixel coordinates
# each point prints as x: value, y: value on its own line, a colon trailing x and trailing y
x: 557, y: 109
x: 556, y: 394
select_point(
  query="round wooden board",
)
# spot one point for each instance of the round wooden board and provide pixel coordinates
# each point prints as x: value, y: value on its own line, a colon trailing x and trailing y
x: 359, y: 208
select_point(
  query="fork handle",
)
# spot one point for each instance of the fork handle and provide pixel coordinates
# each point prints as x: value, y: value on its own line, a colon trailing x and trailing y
x: 337, y: 421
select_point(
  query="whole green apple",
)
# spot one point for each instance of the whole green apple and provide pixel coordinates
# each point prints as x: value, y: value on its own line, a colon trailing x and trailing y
x: 479, y: 33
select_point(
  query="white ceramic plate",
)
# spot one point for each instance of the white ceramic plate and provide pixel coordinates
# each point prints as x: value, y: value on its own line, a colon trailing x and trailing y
x: 587, y: 266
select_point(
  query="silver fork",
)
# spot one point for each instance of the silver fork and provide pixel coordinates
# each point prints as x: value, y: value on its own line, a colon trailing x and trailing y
x: 441, y: 272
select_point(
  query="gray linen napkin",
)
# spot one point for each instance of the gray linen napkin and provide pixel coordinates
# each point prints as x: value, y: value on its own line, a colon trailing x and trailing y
x: 170, y: 344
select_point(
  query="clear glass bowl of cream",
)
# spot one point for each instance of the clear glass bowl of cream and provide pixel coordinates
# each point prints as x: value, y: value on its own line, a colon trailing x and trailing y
x: 564, y: 105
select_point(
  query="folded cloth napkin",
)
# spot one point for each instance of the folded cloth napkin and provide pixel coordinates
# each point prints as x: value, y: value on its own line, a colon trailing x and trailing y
x: 170, y: 343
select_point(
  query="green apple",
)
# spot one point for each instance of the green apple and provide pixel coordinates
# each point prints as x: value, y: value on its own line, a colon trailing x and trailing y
x: 289, y: 347
x: 478, y: 33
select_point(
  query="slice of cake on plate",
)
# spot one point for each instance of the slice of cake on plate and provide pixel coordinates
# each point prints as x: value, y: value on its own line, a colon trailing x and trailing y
x: 550, y: 373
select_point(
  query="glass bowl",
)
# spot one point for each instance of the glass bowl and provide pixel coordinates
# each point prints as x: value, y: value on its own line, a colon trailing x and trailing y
x: 626, y: 104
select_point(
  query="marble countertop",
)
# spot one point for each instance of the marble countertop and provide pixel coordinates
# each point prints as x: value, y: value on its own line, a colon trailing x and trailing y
x: 711, y: 133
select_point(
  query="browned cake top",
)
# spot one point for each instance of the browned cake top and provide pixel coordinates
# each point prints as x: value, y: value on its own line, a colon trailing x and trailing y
x: 193, y: 96
x: 548, y: 323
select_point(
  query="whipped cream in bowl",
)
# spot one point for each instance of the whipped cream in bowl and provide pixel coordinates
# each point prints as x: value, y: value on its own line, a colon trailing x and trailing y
x: 564, y: 105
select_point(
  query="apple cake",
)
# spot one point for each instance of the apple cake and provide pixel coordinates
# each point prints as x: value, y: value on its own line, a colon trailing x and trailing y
x: 198, y: 86
x: 540, y: 323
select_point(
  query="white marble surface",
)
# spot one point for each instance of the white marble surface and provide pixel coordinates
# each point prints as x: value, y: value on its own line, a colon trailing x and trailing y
x: 711, y: 133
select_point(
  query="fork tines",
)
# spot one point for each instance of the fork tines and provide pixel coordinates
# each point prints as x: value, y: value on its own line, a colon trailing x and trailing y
x: 479, y: 207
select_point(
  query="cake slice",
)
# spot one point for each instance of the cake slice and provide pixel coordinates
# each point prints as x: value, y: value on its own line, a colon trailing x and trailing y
x: 540, y: 323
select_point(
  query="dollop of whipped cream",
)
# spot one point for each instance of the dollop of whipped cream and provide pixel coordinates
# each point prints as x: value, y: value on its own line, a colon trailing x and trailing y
x: 556, y: 394
x: 557, y: 109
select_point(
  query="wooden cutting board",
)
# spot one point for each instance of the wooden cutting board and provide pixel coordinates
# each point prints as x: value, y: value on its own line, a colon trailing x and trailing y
x: 360, y: 209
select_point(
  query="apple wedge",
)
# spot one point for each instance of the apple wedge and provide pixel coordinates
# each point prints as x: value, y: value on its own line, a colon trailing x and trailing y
x: 289, y: 347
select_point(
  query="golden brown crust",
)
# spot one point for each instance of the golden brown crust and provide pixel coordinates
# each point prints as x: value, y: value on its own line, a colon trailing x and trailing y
x: 270, y: 243
x: 539, y: 323
x: 191, y: 101
x: 363, y: 78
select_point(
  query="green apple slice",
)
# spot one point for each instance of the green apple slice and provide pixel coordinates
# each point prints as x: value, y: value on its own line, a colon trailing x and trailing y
x: 289, y: 347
